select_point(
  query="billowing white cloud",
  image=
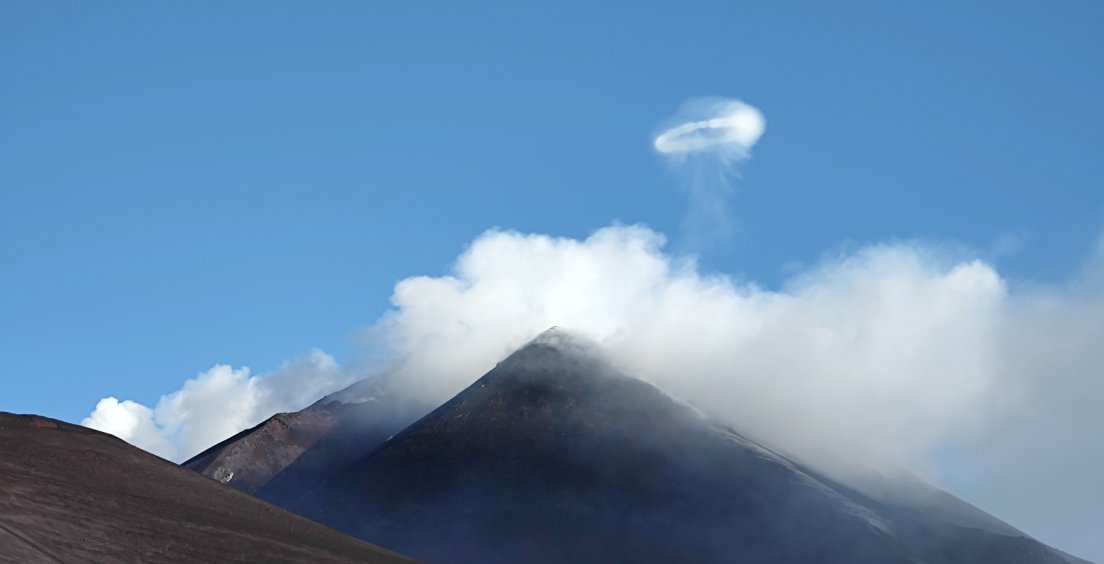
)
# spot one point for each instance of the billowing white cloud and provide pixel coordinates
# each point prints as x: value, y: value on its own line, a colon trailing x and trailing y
x: 216, y: 404
x: 846, y: 356
x: 1038, y: 454
x: 132, y: 422
x: 849, y: 354
x: 900, y: 352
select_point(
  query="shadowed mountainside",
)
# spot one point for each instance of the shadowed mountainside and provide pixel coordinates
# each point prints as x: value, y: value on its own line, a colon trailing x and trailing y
x: 291, y: 452
x: 71, y: 494
x: 555, y: 456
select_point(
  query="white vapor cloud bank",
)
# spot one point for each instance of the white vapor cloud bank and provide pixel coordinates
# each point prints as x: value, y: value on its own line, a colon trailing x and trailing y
x: 890, y: 352
x: 849, y: 355
x: 705, y: 142
x: 899, y: 353
x: 216, y: 404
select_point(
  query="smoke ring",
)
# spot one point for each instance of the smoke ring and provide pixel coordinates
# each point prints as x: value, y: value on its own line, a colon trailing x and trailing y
x: 734, y: 127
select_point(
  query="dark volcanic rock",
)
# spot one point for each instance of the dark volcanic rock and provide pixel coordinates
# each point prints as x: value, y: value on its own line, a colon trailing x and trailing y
x: 252, y: 458
x: 71, y: 494
x: 555, y: 456
x: 291, y: 452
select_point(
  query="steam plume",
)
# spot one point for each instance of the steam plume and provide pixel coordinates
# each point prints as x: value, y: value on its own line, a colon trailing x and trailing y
x: 709, y: 138
x: 894, y: 352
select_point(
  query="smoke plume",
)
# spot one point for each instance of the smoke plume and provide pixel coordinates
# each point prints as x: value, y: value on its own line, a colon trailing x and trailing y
x: 845, y: 357
x: 896, y: 352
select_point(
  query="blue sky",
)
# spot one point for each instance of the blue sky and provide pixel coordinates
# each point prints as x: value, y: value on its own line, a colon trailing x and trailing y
x: 186, y: 185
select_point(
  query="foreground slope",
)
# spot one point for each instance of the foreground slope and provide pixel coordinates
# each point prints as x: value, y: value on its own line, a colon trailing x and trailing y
x: 555, y: 456
x: 71, y: 494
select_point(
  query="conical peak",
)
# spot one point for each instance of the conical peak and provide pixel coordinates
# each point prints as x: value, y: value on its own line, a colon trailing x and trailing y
x: 556, y: 355
x: 556, y: 343
x: 560, y: 338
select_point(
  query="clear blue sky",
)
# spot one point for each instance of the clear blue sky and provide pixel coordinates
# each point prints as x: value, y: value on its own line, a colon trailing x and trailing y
x: 239, y: 182
x: 210, y: 182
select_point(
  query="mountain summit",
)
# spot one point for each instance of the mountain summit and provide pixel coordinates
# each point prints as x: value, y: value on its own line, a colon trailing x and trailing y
x: 557, y: 456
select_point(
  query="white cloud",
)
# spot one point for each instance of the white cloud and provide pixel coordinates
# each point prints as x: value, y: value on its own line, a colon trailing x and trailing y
x: 899, y: 352
x: 216, y: 404
x: 130, y: 421
x: 852, y: 353
x: 1043, y: 437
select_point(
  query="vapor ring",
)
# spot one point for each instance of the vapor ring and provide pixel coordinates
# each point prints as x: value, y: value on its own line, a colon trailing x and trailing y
x: 734, y: 127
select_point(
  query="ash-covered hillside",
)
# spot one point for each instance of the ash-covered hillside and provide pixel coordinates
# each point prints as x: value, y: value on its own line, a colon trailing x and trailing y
x: 71, y: 494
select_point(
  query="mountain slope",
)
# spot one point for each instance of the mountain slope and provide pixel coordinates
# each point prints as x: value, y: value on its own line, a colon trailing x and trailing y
x: 291, y: 452
x: 555, y: 456
x: 71, y: 494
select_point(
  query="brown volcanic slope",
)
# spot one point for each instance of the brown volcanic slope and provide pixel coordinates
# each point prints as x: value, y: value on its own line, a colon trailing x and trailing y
x: 250, y: 459
x: 290, y: 452
x: 71, y: 494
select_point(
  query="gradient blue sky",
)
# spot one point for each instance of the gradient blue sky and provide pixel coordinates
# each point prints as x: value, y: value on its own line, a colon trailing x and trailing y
x: 211, y: 182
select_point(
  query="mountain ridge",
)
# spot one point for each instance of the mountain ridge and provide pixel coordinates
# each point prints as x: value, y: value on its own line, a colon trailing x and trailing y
x: 73, y: 494
x: 272, y: 459
x: 556, y: 455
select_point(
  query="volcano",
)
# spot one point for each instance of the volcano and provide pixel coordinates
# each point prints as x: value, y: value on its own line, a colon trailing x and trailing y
x: 557, y: 456
x: 290, y: 452
x: 71, y: 494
